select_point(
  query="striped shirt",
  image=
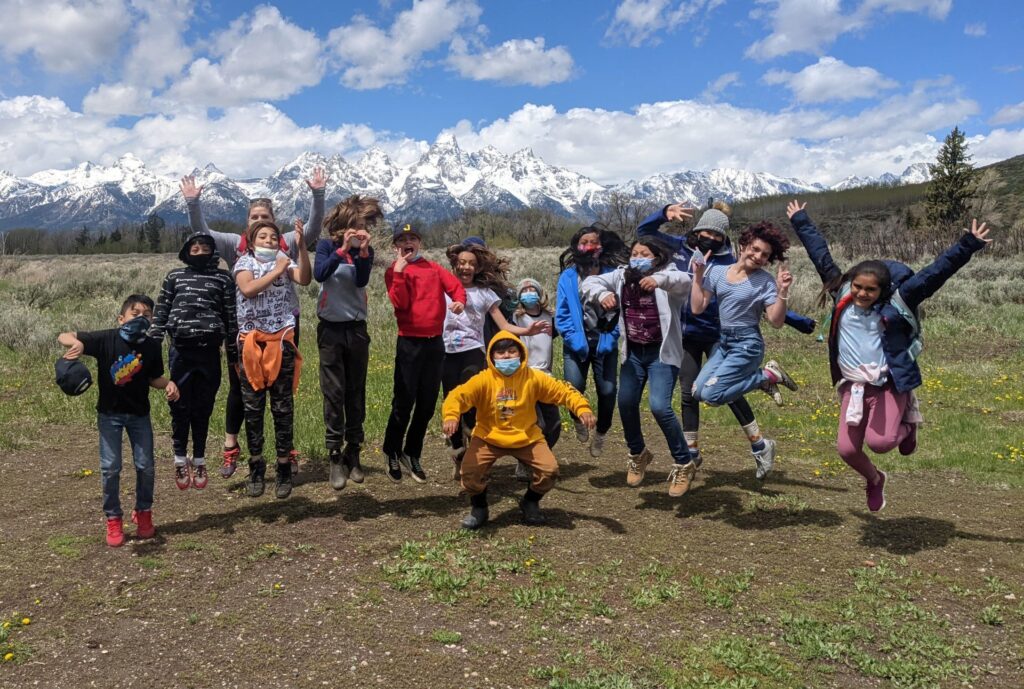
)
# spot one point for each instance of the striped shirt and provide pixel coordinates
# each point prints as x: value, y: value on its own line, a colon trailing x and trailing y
x: 740, y: 304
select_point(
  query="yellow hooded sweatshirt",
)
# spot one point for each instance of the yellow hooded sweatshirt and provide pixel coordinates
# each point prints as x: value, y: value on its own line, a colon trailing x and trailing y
x: 506, y: 414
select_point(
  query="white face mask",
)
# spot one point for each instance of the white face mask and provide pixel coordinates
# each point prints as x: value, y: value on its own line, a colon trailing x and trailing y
x: 264, y: 255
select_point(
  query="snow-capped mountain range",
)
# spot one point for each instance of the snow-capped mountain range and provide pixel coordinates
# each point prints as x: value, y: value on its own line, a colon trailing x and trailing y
x: 443, y: 182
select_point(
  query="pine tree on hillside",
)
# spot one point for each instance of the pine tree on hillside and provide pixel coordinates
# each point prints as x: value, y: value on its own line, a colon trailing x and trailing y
x: 953, y: 184
x: 82, y: 239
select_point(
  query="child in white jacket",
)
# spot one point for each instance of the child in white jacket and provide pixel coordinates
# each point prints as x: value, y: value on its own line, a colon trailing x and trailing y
x: 649, y: 294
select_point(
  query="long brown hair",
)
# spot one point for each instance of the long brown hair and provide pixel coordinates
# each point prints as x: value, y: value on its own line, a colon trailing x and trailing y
x: 347, y: 212
x: 491, y: 269
x: 250, y: 234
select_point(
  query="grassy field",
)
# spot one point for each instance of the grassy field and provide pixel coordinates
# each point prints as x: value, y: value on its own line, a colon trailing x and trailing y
x: 738, y: 585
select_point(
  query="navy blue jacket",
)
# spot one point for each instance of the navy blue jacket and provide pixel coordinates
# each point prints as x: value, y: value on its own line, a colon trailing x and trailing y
x: 913, y: 287
x: 704, y: 327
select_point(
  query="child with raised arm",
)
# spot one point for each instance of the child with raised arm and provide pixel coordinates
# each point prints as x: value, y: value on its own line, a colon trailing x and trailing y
x: 702, y: 332
x: 267, y: 309
x: 483, y: 276
x: 505, y: 396
x: 231, y: 247
x: 417, y: 289
x: 128, y: 364
x: 649, y: 294
x: 873, y: 343
x: 342, y: 267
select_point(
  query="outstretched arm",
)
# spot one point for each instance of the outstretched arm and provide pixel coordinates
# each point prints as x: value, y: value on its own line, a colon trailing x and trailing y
x: 227, y: 242
x: 649, y: 226
x: 927, y: 281
x: 813, y: 241
x: 314, y: 224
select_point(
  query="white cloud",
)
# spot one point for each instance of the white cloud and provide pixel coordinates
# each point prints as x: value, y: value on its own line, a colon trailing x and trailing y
x: 638, y: 21
x: 118, y: 99
x: 830, y: 79
x: 520, y: 61
x: 63, y: 36
x: 719, y: 85
x: 1008, y: 114
x: 809, y: 26
x: 262, y: 56
x: 372, y: 57
x: 976, y: 30
x: 159, y: 52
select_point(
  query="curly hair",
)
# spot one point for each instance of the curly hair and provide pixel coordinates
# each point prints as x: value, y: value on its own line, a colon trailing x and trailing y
x: 250, y: 234
x: 347, y: 212
x: 491, y: 269
x: 613, y: 250
x: 770, y: 235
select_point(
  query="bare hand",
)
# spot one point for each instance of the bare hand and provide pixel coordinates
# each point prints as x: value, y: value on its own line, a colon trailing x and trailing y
x: 456, y: 307
x: 346, y: 239
x: 678, y: 211
x: 449, y: 427
x: 75, y: 350
x: 189, y: 189
x: 300, y: 227
x: 980, y: 231
x: 648, y: 284
x: 609, y: 302
x: 538, y: 327
x: 364, y: 238
x: 318, y: 180
x: 282, y: 263
x: 794, y: 207
x: 588, y: 420
x: 400, y: 260
x: 172, y: 391
x: 784, y: 280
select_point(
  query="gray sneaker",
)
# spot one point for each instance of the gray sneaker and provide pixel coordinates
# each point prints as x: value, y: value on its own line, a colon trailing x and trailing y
x: 765, y: 460
x: 523, y: 472
x: 597, y: 444
x: 772, y: 390
x: 582, y: 432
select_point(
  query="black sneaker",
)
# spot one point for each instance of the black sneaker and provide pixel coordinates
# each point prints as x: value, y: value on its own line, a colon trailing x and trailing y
x: 412, y: 465
x: 284, y: 480
x: 531, y: 512
x: 476, y: 518
x: 255, y: 484
x: 394, y: 468
x: 339, y: 470
x: 351, y: 459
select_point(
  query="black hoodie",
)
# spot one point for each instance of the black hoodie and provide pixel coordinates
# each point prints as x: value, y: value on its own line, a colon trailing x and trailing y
x: 197, y: 303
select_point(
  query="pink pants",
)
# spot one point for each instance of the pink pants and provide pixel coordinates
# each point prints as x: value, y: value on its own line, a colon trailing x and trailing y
x: 881, y: 426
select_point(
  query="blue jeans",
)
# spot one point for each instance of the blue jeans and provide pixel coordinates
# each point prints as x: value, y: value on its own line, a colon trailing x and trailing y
x: 140, y: 435
x: 734, y: 367
x: 643, y: 365
x: 606, y: 370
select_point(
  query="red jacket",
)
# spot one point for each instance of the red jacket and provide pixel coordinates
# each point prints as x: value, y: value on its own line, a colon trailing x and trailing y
x: 417, y: 294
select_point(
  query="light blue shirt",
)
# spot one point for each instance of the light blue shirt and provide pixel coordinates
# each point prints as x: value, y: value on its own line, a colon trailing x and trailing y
x: 740, y: 304
x: 861, y: 357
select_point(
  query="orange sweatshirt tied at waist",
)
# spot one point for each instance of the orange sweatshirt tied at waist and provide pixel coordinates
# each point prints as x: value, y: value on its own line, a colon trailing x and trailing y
x: 261, y: 357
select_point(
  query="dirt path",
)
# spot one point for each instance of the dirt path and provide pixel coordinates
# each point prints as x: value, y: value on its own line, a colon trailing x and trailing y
x: 791, y: 583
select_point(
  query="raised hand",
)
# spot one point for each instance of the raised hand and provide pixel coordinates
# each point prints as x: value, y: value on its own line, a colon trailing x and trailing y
x: 609, y: 302
x: 364, y: 238
x: 648, y: 284
x: 699, y: 262
x: 678, y: 211
x: 400, y: 260
x: 979, y: 231
x: 784, y: 280
x: 282, y: 263
x: 189, y: 189
x: 318, y: 180
x: 346, y: 239
x: 793, y: 208
x: 300, y: 227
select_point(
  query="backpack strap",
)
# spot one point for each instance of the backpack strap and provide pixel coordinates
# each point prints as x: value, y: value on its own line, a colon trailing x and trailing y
x: 907, y: 313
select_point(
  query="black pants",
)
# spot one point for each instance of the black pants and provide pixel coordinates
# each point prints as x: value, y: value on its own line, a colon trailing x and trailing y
x: 456, y: 370
x: 282, y: 407
x: 693, y: 353
x: 235, y: 412
x: 196, y: 372
x: 549, y: 418
x: 418, y: 363
x: 344, y: 355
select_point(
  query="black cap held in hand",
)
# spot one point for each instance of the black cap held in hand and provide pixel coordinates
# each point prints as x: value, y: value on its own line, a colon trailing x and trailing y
x: 72, y: 376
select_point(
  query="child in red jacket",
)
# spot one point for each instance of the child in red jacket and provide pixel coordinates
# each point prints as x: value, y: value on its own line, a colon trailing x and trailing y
x: 417, y: 288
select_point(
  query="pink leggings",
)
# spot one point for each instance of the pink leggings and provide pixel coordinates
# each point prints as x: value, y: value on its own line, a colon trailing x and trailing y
x: 881, y: 426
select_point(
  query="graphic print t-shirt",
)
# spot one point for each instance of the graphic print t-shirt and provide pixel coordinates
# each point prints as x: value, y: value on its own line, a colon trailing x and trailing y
x: 123, y: 371
x: 465, y: 331
x: 273, y: 309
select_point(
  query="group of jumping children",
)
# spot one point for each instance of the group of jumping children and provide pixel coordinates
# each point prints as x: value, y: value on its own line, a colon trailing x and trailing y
x: 667, y: 309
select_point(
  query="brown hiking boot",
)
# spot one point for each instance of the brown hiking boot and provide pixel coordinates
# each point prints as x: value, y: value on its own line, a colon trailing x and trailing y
x: 679, y: 479
x: 636, y: 467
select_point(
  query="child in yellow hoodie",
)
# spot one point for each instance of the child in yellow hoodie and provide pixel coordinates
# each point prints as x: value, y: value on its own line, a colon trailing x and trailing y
x: 505, y: 398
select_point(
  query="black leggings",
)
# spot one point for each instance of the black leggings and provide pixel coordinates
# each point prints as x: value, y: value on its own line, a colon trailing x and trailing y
x: 456, y: 370
x: 693, y: 353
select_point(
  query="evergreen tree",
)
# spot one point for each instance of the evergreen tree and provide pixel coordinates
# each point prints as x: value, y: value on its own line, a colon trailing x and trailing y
x: 82, y: 238
x: 953, y: 184
x: 115, y: 235
x: 153, y: 226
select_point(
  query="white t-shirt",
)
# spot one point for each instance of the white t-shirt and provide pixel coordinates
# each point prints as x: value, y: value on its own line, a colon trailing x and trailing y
x: 465, y: 331
x: 538, y: 347
x: 273, y: 309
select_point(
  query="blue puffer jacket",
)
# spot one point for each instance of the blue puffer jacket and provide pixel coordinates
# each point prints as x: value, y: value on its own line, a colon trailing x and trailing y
x: 913, y: 287
x: 569, y: 317
x: 705, y: 326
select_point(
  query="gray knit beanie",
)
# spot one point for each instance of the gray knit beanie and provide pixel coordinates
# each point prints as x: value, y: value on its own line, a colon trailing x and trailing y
x: 529, y: 282
x: 713, y: 220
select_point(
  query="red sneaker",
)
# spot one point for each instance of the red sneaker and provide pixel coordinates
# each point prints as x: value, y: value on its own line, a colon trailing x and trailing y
x: 199, y: 476
x: 293, y: 459
x: 182, y: 476
x: 115, y: 532
x: 227, y: 469
x: 144, y: 520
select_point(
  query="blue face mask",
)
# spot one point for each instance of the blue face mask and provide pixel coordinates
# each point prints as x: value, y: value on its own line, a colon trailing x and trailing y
x: 529, y: 299
x: 134, y: 331
x: 641, y: 264
x: 415, y: 257
x: 507, y: 366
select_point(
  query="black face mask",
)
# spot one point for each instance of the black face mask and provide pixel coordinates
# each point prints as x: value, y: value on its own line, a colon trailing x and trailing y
x: 197, y: 261
x: 707, y: 244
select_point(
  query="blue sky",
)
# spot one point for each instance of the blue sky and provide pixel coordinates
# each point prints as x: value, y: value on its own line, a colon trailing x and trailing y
x: 615, y: 89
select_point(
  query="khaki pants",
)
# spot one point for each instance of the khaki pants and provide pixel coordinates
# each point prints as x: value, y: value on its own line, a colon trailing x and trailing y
x: 481, y: 456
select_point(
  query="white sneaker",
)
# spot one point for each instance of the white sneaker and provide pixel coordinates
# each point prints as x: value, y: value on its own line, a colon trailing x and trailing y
x: 597, y: 444
x: 523, y: 472
x: 765, y: 460
x: 582, y: 432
